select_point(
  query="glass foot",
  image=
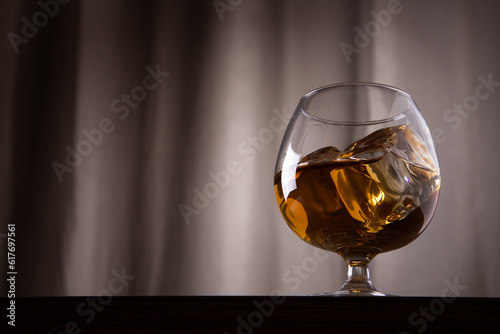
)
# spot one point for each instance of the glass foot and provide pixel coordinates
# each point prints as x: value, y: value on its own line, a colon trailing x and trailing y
x: 352, y: 293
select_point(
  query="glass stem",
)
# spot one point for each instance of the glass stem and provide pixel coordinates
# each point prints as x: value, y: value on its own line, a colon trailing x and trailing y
x: 358, y: 277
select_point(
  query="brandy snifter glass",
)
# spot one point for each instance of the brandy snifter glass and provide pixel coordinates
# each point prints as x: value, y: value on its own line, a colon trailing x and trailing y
x: 357, y: 174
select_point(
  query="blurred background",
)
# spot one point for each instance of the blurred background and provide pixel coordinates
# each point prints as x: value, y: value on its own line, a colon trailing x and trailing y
x: 140, y: 138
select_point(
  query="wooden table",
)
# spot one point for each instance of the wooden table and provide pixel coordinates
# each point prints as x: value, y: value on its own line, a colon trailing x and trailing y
x: 253, y: 314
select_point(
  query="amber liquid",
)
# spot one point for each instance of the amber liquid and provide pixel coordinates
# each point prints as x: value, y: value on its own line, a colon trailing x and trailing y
x: 353, y: 207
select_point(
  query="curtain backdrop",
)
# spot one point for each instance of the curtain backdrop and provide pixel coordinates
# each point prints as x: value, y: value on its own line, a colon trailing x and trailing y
x: 138, y: 140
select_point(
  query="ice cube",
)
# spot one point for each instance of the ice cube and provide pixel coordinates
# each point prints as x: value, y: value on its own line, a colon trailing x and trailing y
x: 325, y: 154
x: 400, y: 140
x: 386, y: 185
x: 411, y: 147
x: 373, y: 146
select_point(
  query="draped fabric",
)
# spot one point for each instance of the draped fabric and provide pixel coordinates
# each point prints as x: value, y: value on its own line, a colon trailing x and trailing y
x: 138, y: 139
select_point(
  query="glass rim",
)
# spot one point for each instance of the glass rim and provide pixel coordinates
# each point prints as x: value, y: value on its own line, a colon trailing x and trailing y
x: 309, y: 95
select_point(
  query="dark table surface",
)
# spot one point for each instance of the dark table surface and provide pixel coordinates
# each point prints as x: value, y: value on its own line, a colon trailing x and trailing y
x: 252, y: 314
